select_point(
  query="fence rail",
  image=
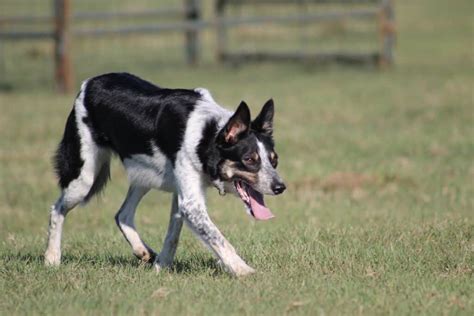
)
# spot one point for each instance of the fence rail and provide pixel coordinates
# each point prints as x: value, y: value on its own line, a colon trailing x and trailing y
x: 285, y: 2
x: 382, y: 10
x: 92, y: 15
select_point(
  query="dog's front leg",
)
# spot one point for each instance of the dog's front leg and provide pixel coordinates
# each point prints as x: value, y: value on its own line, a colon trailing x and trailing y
x: 192, y: 207
x: 166, y: 256
x: 195, y: 215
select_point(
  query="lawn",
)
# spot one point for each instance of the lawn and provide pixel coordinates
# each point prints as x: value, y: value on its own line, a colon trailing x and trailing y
x: 378, y: 217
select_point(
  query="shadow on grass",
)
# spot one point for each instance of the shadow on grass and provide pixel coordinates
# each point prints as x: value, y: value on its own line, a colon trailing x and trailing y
x: 190, y: 265
x: 5, y: 86
x: 195, y: 264
x: 33, y: 259
x: 26, y: 259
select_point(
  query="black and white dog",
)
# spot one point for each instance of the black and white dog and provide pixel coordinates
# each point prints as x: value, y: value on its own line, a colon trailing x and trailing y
x: 175, y: 140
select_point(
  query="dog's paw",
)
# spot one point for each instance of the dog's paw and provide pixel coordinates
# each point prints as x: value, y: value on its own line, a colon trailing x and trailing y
x: 239, y: 270
x: 52, y: 259
x: 161, y: 263
x: 146, y: 255
x: 242, y: 271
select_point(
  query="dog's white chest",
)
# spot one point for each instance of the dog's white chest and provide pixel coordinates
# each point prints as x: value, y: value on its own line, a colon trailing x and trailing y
x: 151, y: 171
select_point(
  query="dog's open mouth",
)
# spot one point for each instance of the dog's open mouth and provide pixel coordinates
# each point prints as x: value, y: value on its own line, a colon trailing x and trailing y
x: 253, y: 201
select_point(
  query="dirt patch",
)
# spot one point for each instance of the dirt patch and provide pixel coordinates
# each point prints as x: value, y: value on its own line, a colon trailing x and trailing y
x: 347, y: 181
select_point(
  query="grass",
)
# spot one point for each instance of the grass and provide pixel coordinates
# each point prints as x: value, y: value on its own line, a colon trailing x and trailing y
x: 378, y: 217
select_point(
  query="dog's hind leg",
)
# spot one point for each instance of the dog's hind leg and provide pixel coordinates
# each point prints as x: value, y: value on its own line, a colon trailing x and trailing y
x: 166, y: 256
x: 125, y: 221
x: 52, y: 255
x: 92, y: 177
x: 82, y: 167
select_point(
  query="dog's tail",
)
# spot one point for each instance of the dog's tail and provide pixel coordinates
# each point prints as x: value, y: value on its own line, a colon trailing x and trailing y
x: 82, y: 166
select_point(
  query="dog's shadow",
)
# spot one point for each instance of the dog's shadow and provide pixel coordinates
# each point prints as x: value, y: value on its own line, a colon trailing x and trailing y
x: 191, y: 265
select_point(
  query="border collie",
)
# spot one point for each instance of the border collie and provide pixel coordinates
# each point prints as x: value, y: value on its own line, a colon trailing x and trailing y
x: 175, y: 140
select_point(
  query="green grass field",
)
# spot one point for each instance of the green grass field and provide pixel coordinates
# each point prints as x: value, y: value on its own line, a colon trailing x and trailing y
x: 378, y: 218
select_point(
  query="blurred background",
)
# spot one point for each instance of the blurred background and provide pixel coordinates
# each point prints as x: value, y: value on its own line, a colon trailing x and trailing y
x: 374, y: 127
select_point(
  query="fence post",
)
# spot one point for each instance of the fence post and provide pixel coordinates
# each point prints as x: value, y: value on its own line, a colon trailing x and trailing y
x: 221, y: 30
x: 387, y: 32
x: 193, y: 13
x: 62, y: 46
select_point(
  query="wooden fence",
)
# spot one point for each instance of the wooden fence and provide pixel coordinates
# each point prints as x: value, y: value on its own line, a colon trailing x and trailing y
x: 382, y: 10
x: 187, y: 19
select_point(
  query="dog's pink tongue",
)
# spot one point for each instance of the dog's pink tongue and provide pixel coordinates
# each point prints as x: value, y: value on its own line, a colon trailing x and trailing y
x: 259, y: 210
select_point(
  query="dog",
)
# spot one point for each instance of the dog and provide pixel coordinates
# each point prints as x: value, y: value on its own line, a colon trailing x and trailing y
x: 175, y: 140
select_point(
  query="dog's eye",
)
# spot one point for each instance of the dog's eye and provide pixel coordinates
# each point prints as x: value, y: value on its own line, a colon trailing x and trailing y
x: 251, y: 159
x: 274, y: 159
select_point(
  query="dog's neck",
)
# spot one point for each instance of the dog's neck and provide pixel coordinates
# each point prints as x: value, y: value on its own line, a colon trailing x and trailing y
x: 207, y: 150
x: 212, y: 158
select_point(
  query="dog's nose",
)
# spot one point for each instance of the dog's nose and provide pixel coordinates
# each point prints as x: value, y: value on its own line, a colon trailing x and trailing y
x: 278, y: 187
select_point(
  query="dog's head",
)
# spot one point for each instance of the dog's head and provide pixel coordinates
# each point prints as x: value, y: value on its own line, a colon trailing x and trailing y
x: 248, y: 158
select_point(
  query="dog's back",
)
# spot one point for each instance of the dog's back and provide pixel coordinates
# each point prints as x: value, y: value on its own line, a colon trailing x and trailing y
x: 128, y: 113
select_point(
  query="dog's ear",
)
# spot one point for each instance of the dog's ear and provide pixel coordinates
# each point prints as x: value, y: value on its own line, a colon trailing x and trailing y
x: 237, y: 126
x: 264, y: 122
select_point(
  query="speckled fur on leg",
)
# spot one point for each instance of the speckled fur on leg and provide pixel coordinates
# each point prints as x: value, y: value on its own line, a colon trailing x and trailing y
x: 200, y: 223
x: 192, y: 207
